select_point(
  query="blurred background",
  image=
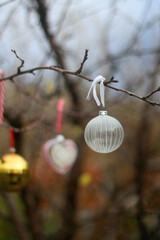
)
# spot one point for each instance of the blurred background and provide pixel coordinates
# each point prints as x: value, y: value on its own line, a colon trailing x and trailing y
x: 104, y: 196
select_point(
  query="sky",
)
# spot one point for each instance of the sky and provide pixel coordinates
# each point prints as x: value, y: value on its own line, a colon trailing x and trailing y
x: 101, y: 26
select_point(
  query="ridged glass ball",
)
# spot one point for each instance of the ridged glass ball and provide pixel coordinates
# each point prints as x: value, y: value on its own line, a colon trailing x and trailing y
x: 104, y: 134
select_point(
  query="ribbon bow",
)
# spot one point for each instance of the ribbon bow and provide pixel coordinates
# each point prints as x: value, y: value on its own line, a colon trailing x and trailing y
x: 98, y: 79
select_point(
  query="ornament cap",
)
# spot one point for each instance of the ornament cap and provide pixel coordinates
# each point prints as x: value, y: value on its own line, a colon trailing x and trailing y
x: 12, y: 150
x: 60, y: 138
x: 102, y: 113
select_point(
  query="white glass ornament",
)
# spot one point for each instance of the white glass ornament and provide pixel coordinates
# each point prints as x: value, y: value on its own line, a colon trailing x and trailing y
x: 104, y: 134
x: 60, y: 153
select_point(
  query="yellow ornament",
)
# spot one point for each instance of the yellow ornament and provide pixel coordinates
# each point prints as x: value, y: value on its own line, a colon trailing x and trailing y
x: 14, y: 172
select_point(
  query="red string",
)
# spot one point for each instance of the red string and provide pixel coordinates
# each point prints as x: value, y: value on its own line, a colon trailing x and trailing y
x: 12, y: 138
x: 2, y: 97
x: 60, y: 106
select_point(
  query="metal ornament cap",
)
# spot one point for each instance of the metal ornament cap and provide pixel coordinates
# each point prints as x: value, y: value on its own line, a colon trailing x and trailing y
x: 104, y: 134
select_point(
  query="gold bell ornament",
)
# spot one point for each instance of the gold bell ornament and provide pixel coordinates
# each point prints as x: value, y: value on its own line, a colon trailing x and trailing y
x: 14, y: 172
x: 103, y: 134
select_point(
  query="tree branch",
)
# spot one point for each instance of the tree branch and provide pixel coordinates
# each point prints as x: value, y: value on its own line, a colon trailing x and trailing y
x: 22, y: 61
x: 78, y: 74
x: 82, y: 63
x: 149, y: 95
x: 5, y: 3
x: 131, y: 94
x: 26, y: 128
x: 15, y: 215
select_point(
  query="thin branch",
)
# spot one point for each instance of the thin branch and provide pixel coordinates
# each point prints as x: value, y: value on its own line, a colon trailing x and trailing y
x: 8, y: 19
x: 63, y: 15
x: 21, y: 227
x: 112, y: 80
x: 131, y: 94
x: 82, y: 63
x: 28, y: 127
x: 149, y: 95
x: 5, y: 3
x: 76, y: 73
x: 28, y: 94
x: 22, y: 62
x: 106, y: 83
x: 71, y: 86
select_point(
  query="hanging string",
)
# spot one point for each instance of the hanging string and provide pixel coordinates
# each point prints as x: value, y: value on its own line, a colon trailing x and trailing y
x: 60, y: 106
x: 2, y: 97
x: 98, y: 79
x: 12, y: 148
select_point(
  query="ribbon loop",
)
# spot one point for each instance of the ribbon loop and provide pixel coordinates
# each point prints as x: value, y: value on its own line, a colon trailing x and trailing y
x: 60, y: 106
x: 12, y: 148
x: 99, y: 79
x: 2, y: 97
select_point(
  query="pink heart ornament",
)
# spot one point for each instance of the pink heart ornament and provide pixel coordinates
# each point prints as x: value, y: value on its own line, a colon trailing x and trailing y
x: 60, y: 153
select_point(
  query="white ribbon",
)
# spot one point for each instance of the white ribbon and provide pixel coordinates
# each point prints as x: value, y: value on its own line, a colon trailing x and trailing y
x: 98, y: 79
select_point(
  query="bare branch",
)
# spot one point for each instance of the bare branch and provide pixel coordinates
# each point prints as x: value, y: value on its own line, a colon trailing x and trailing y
x: 112, y: 80
x: 22, y: 61
x: 28, y: 127
x: 76, y: 73
x: 16, y: 217
x: 53, y: 68
x: 153, y: 103
x: 27, y: 94
x: 5, y: 3
x: 149, y: 95
x: 82, y: 63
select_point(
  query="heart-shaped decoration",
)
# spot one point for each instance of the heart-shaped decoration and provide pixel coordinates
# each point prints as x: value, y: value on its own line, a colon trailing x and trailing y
x: 60, y: 153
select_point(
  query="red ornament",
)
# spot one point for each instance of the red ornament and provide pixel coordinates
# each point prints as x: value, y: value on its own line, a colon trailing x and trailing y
x: 2, y: 97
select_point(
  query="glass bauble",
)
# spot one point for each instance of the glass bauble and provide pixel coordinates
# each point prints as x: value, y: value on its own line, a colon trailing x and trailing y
x: 14, y: 172
x: 104, y: 134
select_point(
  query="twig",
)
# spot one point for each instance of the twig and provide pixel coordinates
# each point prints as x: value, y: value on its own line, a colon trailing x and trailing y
x: 5, y: 3
x: 149, y: 95
x: 82, y: 63
x: 22, y: 61
x: 26, y: 128
x: 131, y: 94
x: 27, y: 94
x: 112, y: 80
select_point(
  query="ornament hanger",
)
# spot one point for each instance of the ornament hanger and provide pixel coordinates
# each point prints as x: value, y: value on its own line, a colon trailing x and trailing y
x: 103, y: 134
x: 99, y: 79
x: 2, y: 97
x: 60, y: 107
x: 12, y: 147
